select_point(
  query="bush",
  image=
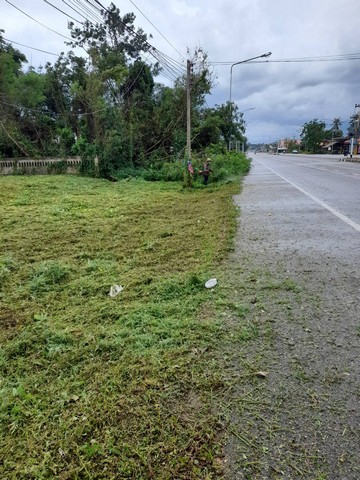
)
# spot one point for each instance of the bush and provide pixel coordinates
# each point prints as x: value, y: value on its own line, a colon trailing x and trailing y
x: 168, y: 172
x: 227, y: 166
x: 87, y: 153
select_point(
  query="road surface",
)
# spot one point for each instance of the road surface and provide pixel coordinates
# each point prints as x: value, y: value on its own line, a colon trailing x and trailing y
x: 296, y: 269
x: 331, y: 182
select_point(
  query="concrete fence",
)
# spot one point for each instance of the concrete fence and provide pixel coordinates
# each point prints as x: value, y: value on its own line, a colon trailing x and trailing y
x: 44, y: 166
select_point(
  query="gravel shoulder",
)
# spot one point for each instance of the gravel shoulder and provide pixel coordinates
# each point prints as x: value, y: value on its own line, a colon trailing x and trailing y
x: 293, y: 409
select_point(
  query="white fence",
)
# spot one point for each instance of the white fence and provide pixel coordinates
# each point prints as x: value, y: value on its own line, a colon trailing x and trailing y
x: 44, y: 166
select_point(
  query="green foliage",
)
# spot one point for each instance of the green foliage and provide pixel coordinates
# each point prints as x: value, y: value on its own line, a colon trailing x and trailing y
x: 112, y: 157
x: 67, y: 141
x: 227, y: 122
x: 30, y: 90
x: 228, y: 166
x: 225, y: 167
x: 87, y: 153
x: 312, y: 135
x: 57, y: 168
x: 354, y: 123
x: 169, y: 172
x: 109, y: 106
x: 335, y: 129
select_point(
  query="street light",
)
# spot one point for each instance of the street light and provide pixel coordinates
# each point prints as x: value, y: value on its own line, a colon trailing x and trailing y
x: 264, y: 55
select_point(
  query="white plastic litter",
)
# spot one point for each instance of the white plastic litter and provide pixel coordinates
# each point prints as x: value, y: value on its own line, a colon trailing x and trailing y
x: 211, y: 283
x: 115, y: 290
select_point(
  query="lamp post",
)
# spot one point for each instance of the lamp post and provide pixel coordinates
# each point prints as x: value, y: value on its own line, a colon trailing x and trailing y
x: 264, y: 55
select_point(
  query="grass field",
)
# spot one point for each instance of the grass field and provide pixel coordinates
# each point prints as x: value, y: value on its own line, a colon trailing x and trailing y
x: 94, y: 387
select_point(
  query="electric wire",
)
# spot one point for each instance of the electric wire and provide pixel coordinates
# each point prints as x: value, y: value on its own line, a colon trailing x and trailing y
x: 76, y: 11
x: 325, y: 58
x: 87, y: 11
x: 171, y: 125
x: 168, y: 70
x: 168, y: 41
x: 32, y: 48
x: 37, y: 21
x: 61, y: 11
x: 173, y: 62
x: 132, y: 31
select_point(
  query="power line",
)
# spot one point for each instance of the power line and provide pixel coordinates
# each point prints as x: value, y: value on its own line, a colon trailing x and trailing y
x: 153, y: 51
x: 171, y: 69
x: 32, y: 48
x: 168, y: 41
x: 37, y: 21
x: 59, y: 9
x: 87, y: 12
x: 326, y: 58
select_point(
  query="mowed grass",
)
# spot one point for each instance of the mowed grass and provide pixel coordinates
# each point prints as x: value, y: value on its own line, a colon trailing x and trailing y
x: 108, y: 388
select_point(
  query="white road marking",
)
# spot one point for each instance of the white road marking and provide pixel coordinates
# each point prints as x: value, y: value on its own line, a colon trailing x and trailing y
x: 342, y: 217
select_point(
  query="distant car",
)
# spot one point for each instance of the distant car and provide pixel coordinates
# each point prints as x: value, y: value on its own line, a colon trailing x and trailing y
x: 295, y: 151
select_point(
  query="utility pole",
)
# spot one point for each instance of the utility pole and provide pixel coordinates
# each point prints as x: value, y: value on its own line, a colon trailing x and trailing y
x: 188, y: 116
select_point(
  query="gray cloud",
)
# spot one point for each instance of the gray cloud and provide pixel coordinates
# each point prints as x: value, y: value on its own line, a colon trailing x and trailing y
x: 285, y: 95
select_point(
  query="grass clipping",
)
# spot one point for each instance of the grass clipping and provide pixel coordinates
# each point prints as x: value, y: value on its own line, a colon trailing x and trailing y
x: 101, y: 387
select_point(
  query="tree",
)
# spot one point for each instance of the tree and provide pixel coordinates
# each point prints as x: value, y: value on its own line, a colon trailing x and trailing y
x: 11, y: 140
x: 231, y: 122
x: 336, y: 128
x: 354, y: 124
x: 312, y: 134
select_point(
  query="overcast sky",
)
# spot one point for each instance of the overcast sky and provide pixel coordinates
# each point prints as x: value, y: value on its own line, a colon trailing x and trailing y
x: 276, y: 97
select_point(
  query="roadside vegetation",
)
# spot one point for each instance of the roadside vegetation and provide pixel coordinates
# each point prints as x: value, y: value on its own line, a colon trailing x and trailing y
x: 94, y: 386
x: 100, y: 387
x: 109, y: 103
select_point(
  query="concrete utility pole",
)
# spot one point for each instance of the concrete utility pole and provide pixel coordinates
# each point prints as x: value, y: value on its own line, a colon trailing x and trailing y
x: 188, y: 106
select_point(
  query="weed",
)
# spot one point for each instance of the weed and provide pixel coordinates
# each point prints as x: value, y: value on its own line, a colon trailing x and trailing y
x: 46, y: 276
x: 248, y: 332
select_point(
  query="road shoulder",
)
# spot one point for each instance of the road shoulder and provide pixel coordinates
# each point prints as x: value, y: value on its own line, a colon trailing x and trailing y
x: 293, y: 345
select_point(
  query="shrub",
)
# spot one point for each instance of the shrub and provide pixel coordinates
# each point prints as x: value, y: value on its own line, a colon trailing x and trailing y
x: 87, y: 154
x: 168, y: 172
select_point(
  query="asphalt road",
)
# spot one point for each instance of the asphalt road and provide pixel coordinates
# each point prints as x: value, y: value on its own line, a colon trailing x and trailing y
x: 300, y: 228
x: 334, y: 184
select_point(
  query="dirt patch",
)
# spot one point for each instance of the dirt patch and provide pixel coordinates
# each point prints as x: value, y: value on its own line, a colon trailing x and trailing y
x: 298, y: 287
x: 9, y: 319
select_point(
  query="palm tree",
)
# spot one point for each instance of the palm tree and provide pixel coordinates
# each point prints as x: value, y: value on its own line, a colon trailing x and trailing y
x: 336, y: 124
x: 354, y: 123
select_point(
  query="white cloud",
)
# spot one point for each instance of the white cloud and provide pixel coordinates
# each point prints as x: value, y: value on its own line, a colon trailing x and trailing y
x: 181, y: 8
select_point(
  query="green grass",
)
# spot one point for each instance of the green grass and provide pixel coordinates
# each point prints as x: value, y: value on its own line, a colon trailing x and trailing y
x: 100, y: 387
